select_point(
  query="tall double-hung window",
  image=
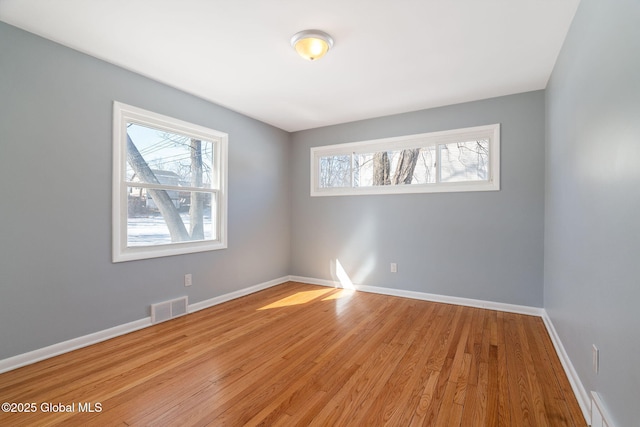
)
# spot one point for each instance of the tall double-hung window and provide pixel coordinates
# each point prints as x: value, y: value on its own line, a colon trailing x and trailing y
x: 169, y: 186
x: 449, y: 161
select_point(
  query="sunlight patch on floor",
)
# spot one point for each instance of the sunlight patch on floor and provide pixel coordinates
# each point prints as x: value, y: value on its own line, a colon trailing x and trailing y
x: 298, y: 298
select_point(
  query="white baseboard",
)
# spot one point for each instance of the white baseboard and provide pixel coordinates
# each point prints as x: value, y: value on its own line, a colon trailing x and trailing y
x: 94, y: 338
x: 314, y: 281
x: 70, y: 345
x: 576, y: 385
x: 236, y: 294
x: 490, y: 305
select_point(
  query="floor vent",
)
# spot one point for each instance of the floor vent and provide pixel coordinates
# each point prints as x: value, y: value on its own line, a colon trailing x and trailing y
x: 599, y: 417
x: 168, y: 309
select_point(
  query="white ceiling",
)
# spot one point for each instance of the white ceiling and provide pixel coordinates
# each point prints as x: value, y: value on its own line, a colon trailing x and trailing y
x: 389, y: 56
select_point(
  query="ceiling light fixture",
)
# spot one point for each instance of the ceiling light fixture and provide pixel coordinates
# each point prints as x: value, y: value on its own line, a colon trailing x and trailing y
x: 311, y: 44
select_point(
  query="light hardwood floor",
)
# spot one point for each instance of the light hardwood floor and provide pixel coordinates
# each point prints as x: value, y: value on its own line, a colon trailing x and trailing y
x: 306, y: 355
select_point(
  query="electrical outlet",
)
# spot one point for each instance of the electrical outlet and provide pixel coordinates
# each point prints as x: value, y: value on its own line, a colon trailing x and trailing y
x: 188, y: 279
x: 595, y: 358
x: 394, y: 267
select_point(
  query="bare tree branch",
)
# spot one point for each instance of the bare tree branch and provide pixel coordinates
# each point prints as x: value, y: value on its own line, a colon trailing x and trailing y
x: 171, y: 215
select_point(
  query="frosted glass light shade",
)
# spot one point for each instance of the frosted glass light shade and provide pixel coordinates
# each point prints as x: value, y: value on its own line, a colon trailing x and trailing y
x: 311, y: 44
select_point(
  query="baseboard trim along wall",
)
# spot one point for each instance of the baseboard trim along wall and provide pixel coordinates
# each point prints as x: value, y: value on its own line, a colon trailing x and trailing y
x: 490, y: 305
x: 237, y: 294
x: 34, y: 356
x: 576, y: 385
x: 64, y: 347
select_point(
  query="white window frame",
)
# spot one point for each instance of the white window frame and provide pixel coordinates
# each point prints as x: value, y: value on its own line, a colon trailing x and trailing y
x: 123, y: 114
x: 490, y: 132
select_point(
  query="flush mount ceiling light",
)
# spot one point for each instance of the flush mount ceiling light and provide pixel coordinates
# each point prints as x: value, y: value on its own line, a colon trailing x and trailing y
x: 311, y: 44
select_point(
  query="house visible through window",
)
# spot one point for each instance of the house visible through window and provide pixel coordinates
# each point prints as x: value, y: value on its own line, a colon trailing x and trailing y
x: 457, y: 160
x: 169, y: 189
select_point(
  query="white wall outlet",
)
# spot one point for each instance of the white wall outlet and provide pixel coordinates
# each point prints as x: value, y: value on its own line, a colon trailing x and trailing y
x: 595, y: 358
x: 188, y: 279
x: 394, y: 267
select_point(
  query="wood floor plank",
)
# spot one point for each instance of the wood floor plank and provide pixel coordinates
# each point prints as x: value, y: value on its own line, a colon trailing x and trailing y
x: 352, y: 400
x: 400, y: 385
x: 304, y: 355
x: 504, y: 403
x: 418, y: 392
x: 519, y: 388
x: 556, y: 408
x: 440, y: 408
x: 539, y: 413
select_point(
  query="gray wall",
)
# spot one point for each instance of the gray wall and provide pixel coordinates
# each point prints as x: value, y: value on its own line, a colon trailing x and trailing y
x: 592, y: 218
x: 57, y: 281
x: 483, y: 245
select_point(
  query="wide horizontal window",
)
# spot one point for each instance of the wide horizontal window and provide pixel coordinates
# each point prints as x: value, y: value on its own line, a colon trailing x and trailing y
x: 456, y: 160
x: 169, y: 186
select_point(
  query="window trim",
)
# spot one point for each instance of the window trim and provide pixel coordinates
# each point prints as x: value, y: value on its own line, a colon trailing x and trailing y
x: 123, y: 114
x: 490, y: 132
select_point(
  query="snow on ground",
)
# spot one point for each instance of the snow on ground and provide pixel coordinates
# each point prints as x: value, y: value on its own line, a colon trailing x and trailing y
x: 153, y: 230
